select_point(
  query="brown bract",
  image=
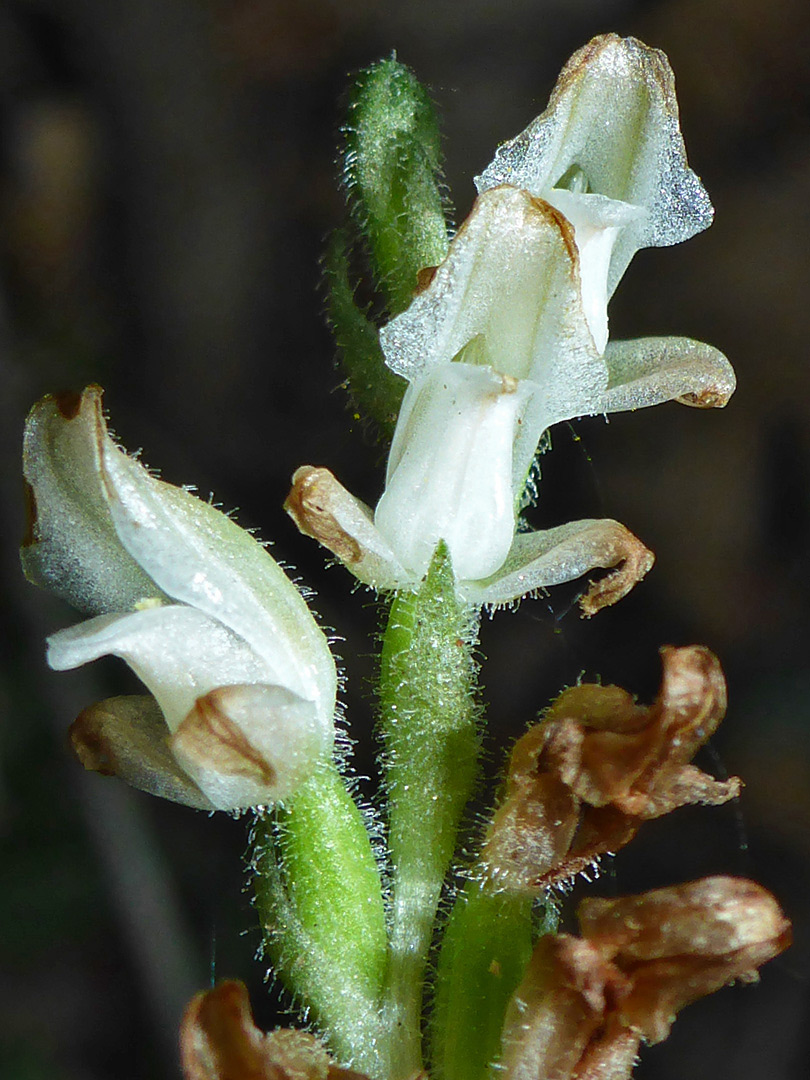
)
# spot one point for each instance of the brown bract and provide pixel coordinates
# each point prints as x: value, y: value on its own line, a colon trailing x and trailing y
x: 581, y: 782
x: 219, y: 1041
x: 586, y: 1003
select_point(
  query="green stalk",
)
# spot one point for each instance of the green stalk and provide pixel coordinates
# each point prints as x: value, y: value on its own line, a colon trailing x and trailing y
x: 319, y: 898
x: 374, y: 389
x: 485, y: 949
x: 429, y: 727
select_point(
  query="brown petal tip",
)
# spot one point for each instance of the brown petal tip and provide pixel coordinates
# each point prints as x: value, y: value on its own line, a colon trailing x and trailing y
x: 632, y: 561
x: 311, y: 505
x: 209, y: 738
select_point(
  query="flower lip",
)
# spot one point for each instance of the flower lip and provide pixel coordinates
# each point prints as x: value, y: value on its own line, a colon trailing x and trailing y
x: 450, y: 471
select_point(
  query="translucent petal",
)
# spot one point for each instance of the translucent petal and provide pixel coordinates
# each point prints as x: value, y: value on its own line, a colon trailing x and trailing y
x: 127, y: 737
x: 179, y: 653
x: 597, y: 222
x: 613, y: 117
x: 450, y: 474
x: 249, y: 745
x: 648, y: 371
x: 198, y: 556
x: 538, y: 560
x: 508, y: 295
x: 73, y: 549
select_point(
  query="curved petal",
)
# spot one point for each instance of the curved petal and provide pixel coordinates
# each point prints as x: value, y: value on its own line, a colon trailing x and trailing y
x: 508, y: 295
x: 322, y: 508
x: 450, y: 473
x: 249, y: 745
x: 540, y: 559
x: 195, y: 554
x: 179, y: 653
x: 648, y: 371
x: 72, y: 548
x: 598, y: 222
x: 127, y: 737
x: 613, y: 116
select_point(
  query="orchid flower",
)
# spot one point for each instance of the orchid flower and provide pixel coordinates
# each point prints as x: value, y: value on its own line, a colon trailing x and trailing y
x: 242, y: 678
x: 509, y: 336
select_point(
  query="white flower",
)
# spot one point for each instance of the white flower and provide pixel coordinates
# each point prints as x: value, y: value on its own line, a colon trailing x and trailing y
x: 610, y: 130
x: 243, y: 680
x: 509, y: 336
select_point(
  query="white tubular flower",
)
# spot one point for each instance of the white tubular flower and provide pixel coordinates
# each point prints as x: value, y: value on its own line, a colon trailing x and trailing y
x: 243, y: 680
x: 454, y: 446
x: 510, y: 336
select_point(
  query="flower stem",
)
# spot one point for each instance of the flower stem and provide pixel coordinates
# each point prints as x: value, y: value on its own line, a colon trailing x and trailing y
x: 319, y: 898
x: 429, y: 727
x: 485, y: 949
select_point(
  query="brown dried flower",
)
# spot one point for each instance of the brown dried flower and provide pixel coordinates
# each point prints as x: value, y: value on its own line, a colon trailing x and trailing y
x: 219, y: 1041
x: 586, y: 1003
x: 582, y: 781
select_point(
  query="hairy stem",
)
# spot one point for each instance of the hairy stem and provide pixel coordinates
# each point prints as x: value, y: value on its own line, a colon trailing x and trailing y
x: 319, y: 899
x: 430, y: 732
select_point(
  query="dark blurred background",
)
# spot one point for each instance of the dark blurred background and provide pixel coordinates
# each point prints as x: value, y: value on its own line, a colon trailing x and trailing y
x: 167, y: 177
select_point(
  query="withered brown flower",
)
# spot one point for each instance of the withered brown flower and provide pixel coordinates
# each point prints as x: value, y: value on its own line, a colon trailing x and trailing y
x: 581, y: 782
x: 219, y: 1041
x: 585, y: 1004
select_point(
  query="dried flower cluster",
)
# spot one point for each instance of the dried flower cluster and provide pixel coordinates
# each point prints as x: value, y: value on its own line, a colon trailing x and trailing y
x: 586, y: 1003
x: 581, y: 783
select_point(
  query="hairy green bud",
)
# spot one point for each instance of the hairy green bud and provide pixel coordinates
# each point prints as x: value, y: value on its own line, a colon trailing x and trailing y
x: 374, y: 389
x: 392, y: 169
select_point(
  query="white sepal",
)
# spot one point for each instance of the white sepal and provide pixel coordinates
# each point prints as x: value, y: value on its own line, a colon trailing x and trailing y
x: 613, y: 119
x: 538, y: 560
x: 649, y: 371
x: 508, y: 297
x: 199, y: 557
x: 178, y: 652
x: 73, y: 549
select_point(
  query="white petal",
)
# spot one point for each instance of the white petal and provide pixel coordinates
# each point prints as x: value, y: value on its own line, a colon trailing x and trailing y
x: 597, y: 223
x: 538, y: 560
x: 614, y: 116
x: 508, y: 295
x: 249, y: 745
x: 179, y: 653
x: 322, y: 508
x: 450, y: 474
x: 200, y: 557
x: 648, y: 371
x: 73, y: 549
